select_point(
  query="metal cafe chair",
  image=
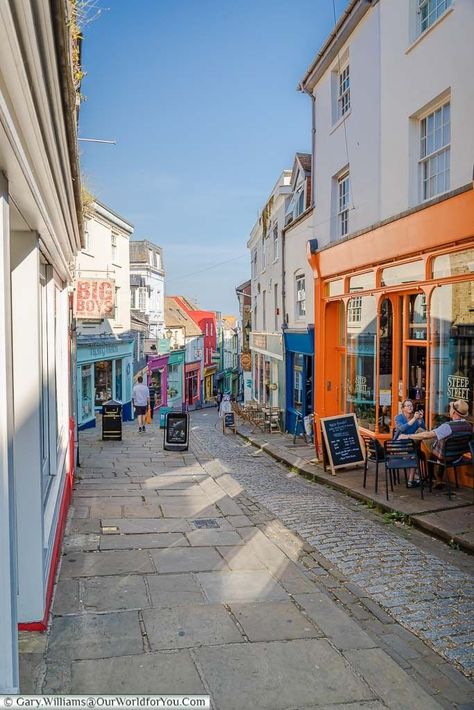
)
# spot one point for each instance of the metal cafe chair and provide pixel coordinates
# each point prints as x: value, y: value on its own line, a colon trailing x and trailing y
x: 471, y: 448
x: 456, y: 447
x: 374, y: 452
x: 401, y: 455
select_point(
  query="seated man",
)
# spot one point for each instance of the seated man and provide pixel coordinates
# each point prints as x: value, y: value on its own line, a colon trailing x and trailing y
x: 433, y: 447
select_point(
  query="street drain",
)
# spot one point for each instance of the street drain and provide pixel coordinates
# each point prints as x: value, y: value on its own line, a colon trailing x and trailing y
x: 206, y: 523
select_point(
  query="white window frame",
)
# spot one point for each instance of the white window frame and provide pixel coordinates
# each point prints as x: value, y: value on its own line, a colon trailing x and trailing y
x: 429, y: 11
x: 142, y: 298
x: 436, y: 163
x: 354, y: 310
x: 343, y: 91
x: 254, y: 263
x: 343, y: 201
x: 264, y: 255
x: 300, y: 292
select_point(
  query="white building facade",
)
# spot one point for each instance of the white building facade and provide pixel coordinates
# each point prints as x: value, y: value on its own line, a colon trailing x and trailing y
x: 267, y: 275
x: 105, y: 345
x: 147, y: 283
x: 392, y: 96
x: 40, y: 234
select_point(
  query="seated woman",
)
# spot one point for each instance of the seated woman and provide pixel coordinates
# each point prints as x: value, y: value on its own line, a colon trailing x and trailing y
x: 409, y: 422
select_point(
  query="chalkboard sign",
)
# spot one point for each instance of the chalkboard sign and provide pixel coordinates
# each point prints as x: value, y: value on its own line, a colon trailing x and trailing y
x: 343, y: 445
x: 228, y: 421
x: 176, y: 431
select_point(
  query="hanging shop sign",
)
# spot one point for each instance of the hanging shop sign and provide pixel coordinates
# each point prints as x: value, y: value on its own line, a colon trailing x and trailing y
x: 94, y: 298
x: 246, y: 361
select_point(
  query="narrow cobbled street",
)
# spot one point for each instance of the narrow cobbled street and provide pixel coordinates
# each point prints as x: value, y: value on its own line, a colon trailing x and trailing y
x: 181, y: 573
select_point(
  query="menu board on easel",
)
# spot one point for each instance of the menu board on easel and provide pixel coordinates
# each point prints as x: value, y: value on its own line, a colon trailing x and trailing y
x: 342, y: 441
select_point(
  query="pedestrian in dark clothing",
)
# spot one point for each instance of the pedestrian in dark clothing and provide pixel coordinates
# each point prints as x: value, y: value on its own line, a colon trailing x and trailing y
x: 219, y: 400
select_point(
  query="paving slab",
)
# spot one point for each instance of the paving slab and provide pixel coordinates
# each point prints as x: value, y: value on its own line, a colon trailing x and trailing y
x: 31, y: 667
x: 457, y: 525
x: 279, y: 675
x: 143, y: 541
x: 107, y: 509
x: 95, y: 636
x: 147, y: 525
x: 226, y: 587
x: 66, y: 597
x: 87, y: 542
x: 214, y: 537
x: 187, y: 559
x: 343, y: 631
x: 241, y: 557
x: 114, y: 593
x: 189, y: 509
x: 91, y: 564
x: 142, y: 510
x: 175, y: 589
x: 390, y: 682
x: 273, y: 621
x: 190, y: 625
x: 148, y: 674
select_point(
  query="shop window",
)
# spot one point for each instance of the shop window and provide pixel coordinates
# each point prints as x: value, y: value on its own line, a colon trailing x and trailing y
x: 404, y: 273
x: 156, y: 377
x: 335, y: 288
x: 452, y: 348
x: 174, y: 384
x: 385, y: 367
x: 118, y: 380
x: 103, y: 382
x: 417, y: 317
x: 354, y: 310
x: 86, y: 404
x: 362, y: 282
x: 360, y: 361
x: 455, y: 264
x: 298, y: 363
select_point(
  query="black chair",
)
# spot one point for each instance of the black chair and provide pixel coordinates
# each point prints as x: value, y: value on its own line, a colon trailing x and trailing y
x: 471, y: 448
x: 455, y: 448
x: 401, y: 455
x: 373, y: 452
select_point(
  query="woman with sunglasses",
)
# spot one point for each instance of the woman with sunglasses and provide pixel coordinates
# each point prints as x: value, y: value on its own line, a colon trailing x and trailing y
x: 409, y: 422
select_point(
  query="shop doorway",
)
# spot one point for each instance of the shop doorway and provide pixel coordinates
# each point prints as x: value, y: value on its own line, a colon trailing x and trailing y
x: 416, y: 375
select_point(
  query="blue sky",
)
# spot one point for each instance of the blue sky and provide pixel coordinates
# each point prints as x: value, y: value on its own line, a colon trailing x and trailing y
x: 200, y: 96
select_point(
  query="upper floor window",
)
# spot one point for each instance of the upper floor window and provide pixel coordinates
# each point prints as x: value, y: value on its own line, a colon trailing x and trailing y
x: 354, y: 310
x: 343, y: 187
x: 87, y: 237
x: 430, y: 10
x: 254, y: 263
x: 435, y: 138
x: 275, y: 242
x: 114, y: 247
x: 264, y: 256
x: 344, y: 91
x: 300, y: 288
x: 142, y: 294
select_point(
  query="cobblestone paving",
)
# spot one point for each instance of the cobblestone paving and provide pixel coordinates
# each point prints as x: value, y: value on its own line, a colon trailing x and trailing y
x: 422, y: 592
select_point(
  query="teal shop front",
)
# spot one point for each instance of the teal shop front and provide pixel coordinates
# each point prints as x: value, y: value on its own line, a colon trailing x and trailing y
x: 104, y: 371
x: 176, y: 379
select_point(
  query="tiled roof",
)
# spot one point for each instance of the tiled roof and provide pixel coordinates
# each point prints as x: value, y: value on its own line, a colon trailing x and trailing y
x: 176, y: 317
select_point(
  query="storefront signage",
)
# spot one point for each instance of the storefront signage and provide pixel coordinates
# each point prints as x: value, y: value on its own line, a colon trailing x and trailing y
x: 94, y: 298
x: 342, y: 440
x: 361, y: 384
x: 259, y: 341
x: 229, y: 422
x: 104, y: 350
x: 458, y: 387
x: 246, y: 361
x: 176, y: 431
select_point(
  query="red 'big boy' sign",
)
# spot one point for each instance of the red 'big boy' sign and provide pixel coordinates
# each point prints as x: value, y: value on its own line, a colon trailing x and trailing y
x: 94, y: 298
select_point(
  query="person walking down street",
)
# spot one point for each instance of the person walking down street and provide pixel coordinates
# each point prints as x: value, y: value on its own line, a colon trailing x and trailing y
x: 140, y: 400
x: 152, y: 392
x: 432, y: 442
x: 409, y: 422
x: 218, y: 400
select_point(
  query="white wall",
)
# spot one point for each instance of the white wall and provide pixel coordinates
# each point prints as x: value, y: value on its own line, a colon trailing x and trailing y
x: 96, y: 261
x: 413, y: 75
x: 353, y: 142
x: 155, y: 300
x: 296, y: 238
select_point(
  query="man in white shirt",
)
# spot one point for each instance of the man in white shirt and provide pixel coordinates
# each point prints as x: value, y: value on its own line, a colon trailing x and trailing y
x: 140, y: 400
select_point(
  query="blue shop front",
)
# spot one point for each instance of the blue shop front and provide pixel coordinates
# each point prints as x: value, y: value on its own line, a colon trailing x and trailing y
x: 104, y: 371
x: 299, y: 354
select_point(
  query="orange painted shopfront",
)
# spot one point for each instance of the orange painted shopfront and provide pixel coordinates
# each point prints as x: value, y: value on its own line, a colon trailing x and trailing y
x: 394, y: 318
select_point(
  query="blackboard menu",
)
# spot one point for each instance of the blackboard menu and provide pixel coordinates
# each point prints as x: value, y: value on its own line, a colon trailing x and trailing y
x: 229, y: 419
x: 341, y: 435
x: 176, y: 431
